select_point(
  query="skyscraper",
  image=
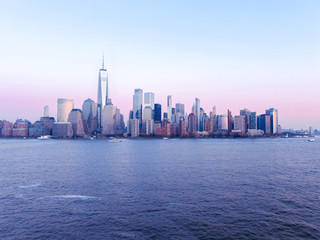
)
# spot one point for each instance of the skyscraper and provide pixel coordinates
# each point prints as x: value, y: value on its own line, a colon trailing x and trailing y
x: 109, y: 111
x: 169, y: 107
x: 149, y: 99
x: 229, y: 121
x: 46, y: 111
x: 64, y: 108
x: 76, y: 119
x: 253, y: 120
x: 240, y: 123
x: 137, y: 103
x: 157, y: 112
x: 197, y: 112
x: 246, y: 112
x: 89, y: 110
x: 273, y: 113
x: 179, y: 112
x: 223, y: 122
x: 102, y: 93
x: 264, y: 123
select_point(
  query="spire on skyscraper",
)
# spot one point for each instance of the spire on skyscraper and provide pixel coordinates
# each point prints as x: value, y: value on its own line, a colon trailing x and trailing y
x: 102, y: 61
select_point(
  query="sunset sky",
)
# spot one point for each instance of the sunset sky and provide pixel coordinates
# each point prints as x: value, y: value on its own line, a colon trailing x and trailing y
x: 232, y: 54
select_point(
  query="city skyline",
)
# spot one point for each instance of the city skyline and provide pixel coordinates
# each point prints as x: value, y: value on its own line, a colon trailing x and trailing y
x: 231, y: 55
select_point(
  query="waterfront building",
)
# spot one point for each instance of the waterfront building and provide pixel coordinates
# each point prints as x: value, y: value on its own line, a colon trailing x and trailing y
x: 192, y: 124
x: 149, y: 99
x: 89, y: 107
x: 47, y: 123
x: 118, y: 122
x: 230, y: 121
x: 134, y: 127
x: 20, y: 128
x: 247, y: 113
x: 102, y: 98
x: 89, y: 111
x: 137, y: 103
x: 240, y: 124
x: 311, y: 130
x: 253, y: 120
x: 65, y: 106
x: 157, y: 112
x: 169, y: 108
x: 264, y: 123
x: 62, y: 130
x: 196, y: 112
x: 108, y: 126
x: 208, y: 125
x: 201, y: 120
x: 223, y: 122
x: 179, y: 112
x: 6, y: 130
x: 273, y: 113
x: 156, y: 125
x: 147, y: 121
x: 165, y: 130
x: 76, y: 119
x: 182, y: 129
x: 36, y: 129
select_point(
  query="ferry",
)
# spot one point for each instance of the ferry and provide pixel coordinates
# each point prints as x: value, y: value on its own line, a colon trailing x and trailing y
x: 44, y: 137
x: 115, y: 140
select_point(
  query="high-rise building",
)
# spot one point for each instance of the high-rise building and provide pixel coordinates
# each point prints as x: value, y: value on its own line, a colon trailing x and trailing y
x: 64, y: 108
x: 223, y: 122
x: 240, y: 123
x: 179, y: 112
x: 62, y: 130
x: 118, y: 122
x: 197, y: 112
x: 102, y: 93
x: 253, y: 120
x: 157, y: 112
x: 137, y: 103
x: 89, y: 107
x: 246, y: 112
x: 192, y: 124
x: 76, y: 119
x: 46, y: 111
x: 229, y: 121
x: 214, y: 111
x: 109, y: 111
x: 134, y: 127
x: 149, y: 99
x: 89, y: 110
x: 273, y: 113
x: 169, y: 108
x: 264, y: 123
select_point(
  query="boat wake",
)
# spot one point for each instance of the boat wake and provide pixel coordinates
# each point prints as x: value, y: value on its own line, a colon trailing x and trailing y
x: 30, y: 186
x: 77, y: 197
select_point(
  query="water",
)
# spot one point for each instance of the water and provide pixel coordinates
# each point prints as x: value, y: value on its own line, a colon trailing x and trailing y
x: 160, y: 189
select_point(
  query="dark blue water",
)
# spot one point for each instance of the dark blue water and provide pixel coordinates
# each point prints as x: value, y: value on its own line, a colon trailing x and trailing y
x: 160, y: 189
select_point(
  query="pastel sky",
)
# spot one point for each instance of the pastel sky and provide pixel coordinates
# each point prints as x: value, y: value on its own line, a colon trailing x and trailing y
x: 232, y: 54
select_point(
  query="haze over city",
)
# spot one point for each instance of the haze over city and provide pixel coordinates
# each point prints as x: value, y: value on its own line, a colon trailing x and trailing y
x: 255, y: 55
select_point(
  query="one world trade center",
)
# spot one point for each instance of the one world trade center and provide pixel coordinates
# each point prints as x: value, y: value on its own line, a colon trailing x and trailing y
x: 102, y: 94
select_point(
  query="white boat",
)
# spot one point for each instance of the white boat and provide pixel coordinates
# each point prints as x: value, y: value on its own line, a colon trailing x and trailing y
x: 165, y: 138
x: 311, y: 140
x: 115, y: 140
x: 44, y: 137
